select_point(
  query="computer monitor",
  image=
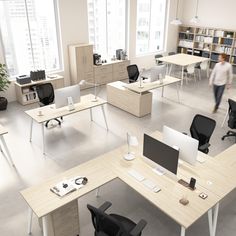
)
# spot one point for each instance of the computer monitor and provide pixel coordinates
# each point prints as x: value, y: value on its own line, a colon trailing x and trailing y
x: 160, y: 153
x: 62, y: 95
x: 157, y: 72
x: 188, y: 147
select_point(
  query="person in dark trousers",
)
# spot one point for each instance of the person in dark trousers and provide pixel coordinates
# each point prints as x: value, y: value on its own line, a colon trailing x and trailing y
x: 220, y: 78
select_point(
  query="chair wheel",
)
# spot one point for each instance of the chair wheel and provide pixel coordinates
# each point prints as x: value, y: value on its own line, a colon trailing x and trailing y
x: 222, y: 138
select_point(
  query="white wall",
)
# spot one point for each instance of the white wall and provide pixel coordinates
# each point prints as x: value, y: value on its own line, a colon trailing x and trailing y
x: 212, y: 13
x: 74, y: 29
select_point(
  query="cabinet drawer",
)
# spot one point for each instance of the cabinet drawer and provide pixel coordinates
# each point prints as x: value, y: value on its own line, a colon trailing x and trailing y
x: 120, y: 75
x: 88, y: 76
x: 104, y: 69
x: 120, y: 66
x: 103, y: 78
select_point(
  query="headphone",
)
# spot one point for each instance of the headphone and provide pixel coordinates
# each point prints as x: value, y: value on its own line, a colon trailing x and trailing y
x: 81, y: 180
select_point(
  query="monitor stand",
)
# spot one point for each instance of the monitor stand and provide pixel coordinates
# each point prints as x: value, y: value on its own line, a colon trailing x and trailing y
x: 158, y: 170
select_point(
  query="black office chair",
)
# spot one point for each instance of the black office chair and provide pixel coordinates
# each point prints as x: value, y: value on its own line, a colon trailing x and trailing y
x: 157, y: 59
x: 171, y: 53
x: 46, y: 97
x: 133, y: 73
x: 201, y: 129
x: 112, y: 224
x: 231, y: 120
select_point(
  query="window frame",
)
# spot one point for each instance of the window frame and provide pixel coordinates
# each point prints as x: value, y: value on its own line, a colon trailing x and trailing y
x: 149, y: 53
x: 59, y: 48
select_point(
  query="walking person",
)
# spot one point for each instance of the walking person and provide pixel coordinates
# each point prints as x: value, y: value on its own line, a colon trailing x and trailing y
x: 221, y: 77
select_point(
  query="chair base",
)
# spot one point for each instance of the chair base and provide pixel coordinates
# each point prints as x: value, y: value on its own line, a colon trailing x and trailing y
x: 59, y: 122
x: 229, y: 134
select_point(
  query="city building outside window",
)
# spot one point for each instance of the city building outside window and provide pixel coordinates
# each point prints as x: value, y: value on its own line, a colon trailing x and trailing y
x: 29, y: 36
x: 151, y: 18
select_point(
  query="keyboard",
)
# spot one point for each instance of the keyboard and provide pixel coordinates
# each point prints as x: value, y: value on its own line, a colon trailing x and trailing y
x: 150, y: 185
x: 136, y: 175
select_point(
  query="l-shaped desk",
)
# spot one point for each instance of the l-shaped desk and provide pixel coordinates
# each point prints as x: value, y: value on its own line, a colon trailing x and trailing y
x: 215, y: 176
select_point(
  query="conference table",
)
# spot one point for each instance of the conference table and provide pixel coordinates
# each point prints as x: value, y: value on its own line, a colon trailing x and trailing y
x: 215, y: 177
x: 43, y: 114
x: 3, y: 131
x: 183, y: 60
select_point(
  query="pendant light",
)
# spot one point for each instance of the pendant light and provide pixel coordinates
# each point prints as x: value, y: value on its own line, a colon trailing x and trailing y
x: 195, y: 19
x: 176, y: 21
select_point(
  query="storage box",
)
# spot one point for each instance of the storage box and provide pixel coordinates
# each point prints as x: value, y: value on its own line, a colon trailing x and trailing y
x: 23, y: 79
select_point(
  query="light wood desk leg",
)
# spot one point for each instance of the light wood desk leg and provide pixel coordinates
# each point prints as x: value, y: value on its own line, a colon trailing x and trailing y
x: 104, y: 115
x: 31, y: 129
x: 182, y: 76
x: 215, y: 217
x: 42, y: 125
x: 226, y: 115
x: 210, y: 221
x: 45, y: 225
x: 1, y: 149
x: 7, y: 150
x: 182, y: 231
x: 162, y: 91
x: 30, y: 216
x: 177, y: 89
x: 98, y: 192
x: 91, y: 114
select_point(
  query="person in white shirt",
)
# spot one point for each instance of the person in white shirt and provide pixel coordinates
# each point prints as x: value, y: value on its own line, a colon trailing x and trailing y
x: 221, y: 76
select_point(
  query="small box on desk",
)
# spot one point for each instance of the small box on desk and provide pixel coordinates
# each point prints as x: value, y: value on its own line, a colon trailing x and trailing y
x: 23, y: 79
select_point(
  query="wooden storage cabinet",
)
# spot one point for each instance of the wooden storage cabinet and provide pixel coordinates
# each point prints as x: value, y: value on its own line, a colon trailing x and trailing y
x: 26, y: 94
x: 81, y: 63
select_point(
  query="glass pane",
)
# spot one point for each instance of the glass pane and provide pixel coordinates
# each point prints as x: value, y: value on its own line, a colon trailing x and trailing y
x: 97, y: 25
x: 116, y: 20
x: 17, y: 35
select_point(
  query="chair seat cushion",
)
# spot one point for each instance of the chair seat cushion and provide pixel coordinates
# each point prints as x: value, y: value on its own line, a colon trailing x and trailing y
x: 127, y: 223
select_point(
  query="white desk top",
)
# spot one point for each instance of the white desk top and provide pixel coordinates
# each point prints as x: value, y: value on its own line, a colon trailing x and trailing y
x: 3, y: 130
x: 49, y: 112
x: 151, y: 85
x: 182, y: 59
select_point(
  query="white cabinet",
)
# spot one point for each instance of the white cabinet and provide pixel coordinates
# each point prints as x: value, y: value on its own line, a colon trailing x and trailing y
x: 81, y: 63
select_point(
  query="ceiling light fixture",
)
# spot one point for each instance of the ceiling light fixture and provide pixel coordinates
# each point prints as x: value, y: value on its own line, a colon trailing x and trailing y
x: 195, y: 19
x: 176, y: 21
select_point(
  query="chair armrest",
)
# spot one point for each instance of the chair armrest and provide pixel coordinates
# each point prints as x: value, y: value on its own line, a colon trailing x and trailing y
x: 105, y: 206
x: 138, y: 228
x: 204, y: 146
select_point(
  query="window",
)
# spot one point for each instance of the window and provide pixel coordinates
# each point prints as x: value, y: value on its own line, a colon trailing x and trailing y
x: 107, y: 25
x: 151, y: 16
x: 29, y: 35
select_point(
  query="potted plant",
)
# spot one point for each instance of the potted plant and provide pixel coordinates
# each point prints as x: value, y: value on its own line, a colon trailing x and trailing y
x: 4, y: 84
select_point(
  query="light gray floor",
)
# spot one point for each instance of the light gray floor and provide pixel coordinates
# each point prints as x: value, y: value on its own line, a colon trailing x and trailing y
x: 79, y: 140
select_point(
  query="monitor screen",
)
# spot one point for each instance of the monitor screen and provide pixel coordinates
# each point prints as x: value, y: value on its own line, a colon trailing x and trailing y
x: 188, y: 146
x: 160, y: 153
x: 62, y: 95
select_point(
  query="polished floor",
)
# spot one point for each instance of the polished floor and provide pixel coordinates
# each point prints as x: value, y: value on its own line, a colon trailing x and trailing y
x: 79, y: 140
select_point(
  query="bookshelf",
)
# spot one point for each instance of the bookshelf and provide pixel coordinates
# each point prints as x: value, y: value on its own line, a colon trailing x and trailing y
x: 208, y: 42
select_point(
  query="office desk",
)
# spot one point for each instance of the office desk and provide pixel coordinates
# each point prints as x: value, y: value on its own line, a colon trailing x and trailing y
x: 183, y: 60
x: 49, y: 112
x: 110, y: 166
x: 147, y: 86
x: 3, y: 131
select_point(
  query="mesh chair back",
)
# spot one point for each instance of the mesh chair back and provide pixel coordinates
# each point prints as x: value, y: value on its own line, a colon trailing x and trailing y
x: 202, y: 128
x: 105, y: 224
x: 232, y: 114
x: 156, y: 58
x: 191, y: 69
x: 204, y: 65
x: 133, y: 73
x: 45, y: 93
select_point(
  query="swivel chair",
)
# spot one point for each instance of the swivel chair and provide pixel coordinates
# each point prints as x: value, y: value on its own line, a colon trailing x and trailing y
x: 201, y: 129
x: 46, y: 97
x: 133, y: 73
x: 232, y: 119
x: 112, y: 224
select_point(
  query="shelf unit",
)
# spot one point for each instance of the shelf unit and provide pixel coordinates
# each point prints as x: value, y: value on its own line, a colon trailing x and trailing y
x: 208, y: 42
x: 26, y: 93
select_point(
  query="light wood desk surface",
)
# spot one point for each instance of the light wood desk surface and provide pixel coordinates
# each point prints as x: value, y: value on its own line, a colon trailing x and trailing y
x: 49, y: 112
x: 151, y: 85
x: 3, y: 130
x: 182, y: 59
x: 42, y: 201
